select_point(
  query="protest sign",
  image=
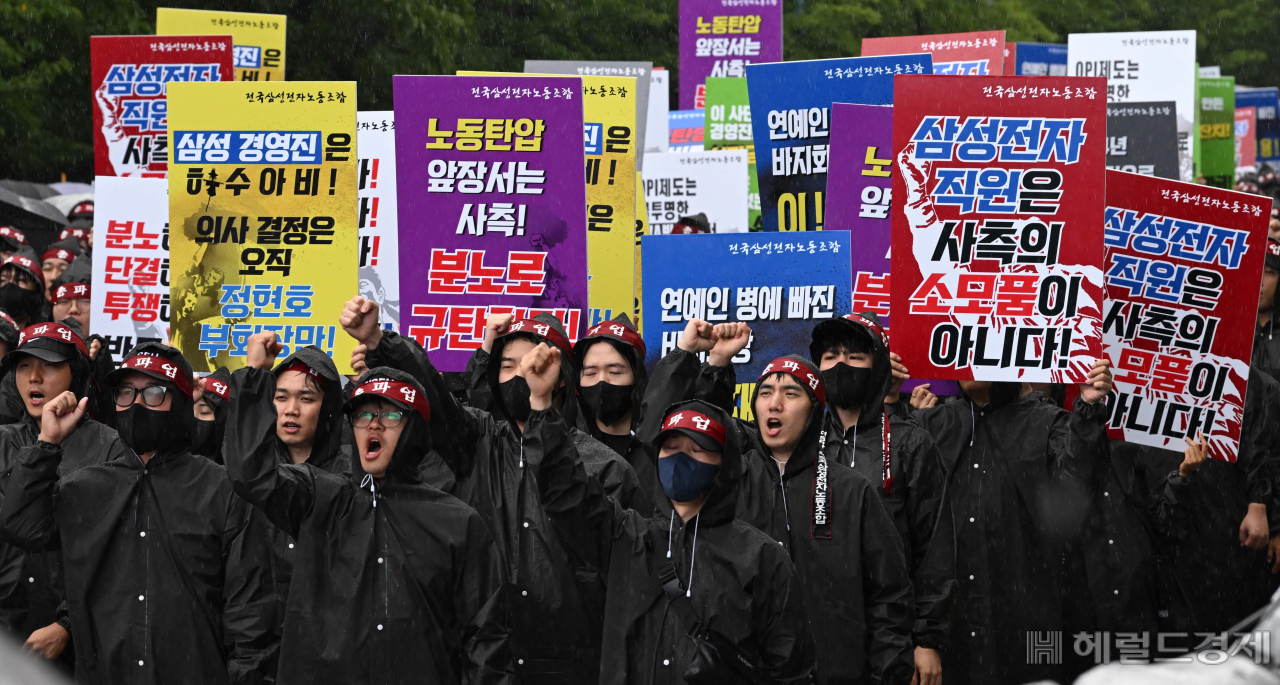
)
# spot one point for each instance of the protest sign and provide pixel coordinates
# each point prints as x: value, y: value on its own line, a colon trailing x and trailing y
x: 1265, y: 103
x: 997, y: 227
x: 859, y: 192
x: 1210, y: 72
x: 642, y: 229
x: 640, y: 71
x: 686, y: 130
x: 1246, y: 137
x: 655, y: 131
x: 609, y: 130
x: 129, y: 292
x: 130, y: 76
x: 687, y: 183
x: 782, y: 286
x: 492, y: 200
x: 1035, y: 59
x: 791, y: 120
x: 1183, y: 268
x: 728, y: 127
x: 721, y: 37
x: 980, y: 53
x: 263, y: 207
x: 379, y: 236
x: 259, y: 38
x: 1142, y: 138
x: 1144, y: 66
x: 1217, y: 162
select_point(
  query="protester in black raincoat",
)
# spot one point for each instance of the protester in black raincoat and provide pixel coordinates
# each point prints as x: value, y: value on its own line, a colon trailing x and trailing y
x: 211, y: 415
x: 394, y: 581
x: 672, y: 576
x: 1213, y: 573
x: 557, y: 608
x: 22, y: 291
x: 612, y: 382
x: 853, y: 355
x: 312, y: 379
x: 853, y: 574
x: 167, y: 573
x: 1018, y: 473
x: 1266, y: 344
x: 51, y: 360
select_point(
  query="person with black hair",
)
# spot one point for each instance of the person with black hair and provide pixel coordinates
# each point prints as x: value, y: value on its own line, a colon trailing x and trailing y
x: 486, y: 455
x: 393, y: 580
x: 1019, y: 477
x: 22, y: 291
x: 11, y: 241
x: 611, y: 383
x: 899, y: 459
x: 852, y: 570
x: 695, y: 594
x: 55, y: 261
x: 1266, y: 345
x: 71, y: 300
x: 166, y: 570
x: 51, y: 360
x: 210, y: 409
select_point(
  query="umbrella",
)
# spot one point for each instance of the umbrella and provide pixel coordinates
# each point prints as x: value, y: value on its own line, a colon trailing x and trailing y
x: 70, y: 188
x: 40, y: 220
x: 65, y: 203
x: 35, y: 191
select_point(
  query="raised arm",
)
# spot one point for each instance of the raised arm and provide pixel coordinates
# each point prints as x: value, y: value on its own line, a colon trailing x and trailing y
x: 284, y: 492
x: 679, y: 376
x: 28, y: 517
x: 250, y: 611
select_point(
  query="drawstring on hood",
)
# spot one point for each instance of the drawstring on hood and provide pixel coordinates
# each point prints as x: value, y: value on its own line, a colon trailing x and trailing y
x: 693, y: 556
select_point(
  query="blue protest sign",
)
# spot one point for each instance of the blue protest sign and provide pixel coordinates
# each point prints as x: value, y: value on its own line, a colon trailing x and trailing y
x: 1038, y: 59
x: 1266, y: 102
x: 791, y: 123
x: 782, y: 286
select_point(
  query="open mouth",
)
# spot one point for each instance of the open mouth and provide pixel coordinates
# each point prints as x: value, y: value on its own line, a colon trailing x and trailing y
x: 373, y: 449
x: 772, y: 427
x: 290, y: 427
x: 37, y: 398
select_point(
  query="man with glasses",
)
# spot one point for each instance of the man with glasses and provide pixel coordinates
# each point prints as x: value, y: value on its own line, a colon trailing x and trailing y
x: 22, y: 290
x: 71, y: 300
x: 394, y: 580
x: 167, y: 572
x: 49, y: 360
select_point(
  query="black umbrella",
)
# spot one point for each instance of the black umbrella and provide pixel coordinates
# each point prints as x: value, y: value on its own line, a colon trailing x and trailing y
x: 35, y: 191
x: 39, y: 220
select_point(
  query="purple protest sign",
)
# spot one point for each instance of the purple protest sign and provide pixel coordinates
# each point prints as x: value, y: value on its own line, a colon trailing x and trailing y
x: 858, y: 189
x: 721, y: 37
x: 492, y: 206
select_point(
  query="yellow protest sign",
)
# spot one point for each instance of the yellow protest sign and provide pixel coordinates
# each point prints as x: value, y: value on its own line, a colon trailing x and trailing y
x: 263, y: 232
x: 258, y: 54
x: 609, y: 134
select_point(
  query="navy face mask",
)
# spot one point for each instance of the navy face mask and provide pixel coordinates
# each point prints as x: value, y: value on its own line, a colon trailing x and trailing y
x: 684, y: 478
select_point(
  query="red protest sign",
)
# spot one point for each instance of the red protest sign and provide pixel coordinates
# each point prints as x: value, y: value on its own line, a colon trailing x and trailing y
x: 1183, y: 268
x: 980, y: 53
x: 997, y: 238
x: 129, y: 77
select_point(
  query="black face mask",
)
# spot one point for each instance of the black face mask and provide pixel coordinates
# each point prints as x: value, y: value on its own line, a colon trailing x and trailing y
x: 147, y: 430
x: 608, y: 402
x: 515, y: 398
x: 20, y: 303
x: 847, y: 386
x: 206, y: 441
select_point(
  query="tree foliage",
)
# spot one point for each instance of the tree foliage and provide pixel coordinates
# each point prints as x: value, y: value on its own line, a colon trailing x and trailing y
x: 46, y: 113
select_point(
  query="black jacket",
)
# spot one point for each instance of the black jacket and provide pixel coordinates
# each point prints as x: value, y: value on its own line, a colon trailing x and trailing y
x: 1208, y: 581
x: 553, y: 587
x: 1266, y: 346
x: 741, y: 583
x: 1018, y: 476
x: 167, y: 573
x: 393, y: 581
x: 855, y: 584
x: 32, y: 594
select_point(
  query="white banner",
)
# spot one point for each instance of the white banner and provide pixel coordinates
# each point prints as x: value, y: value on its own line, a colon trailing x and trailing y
x: 379, y: 237
x: 1144, y: 66
x: 657, y: 135
x: 680, y: 184
x: 130, y: 289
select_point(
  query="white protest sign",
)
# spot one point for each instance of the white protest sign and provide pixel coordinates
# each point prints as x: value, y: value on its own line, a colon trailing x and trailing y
x: 680, y: 184
x: 130, y: 287
x: 379, y: 235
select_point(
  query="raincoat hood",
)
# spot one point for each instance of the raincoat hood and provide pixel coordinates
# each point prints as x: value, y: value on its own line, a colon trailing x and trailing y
x: 218, y: 394
x: 415, y: 434
x: 543, y: 328
x: 171, y: 367
x: 722, y: 499
x: 623, y: 337
x: 59, y: 338
x: 865, y: 325
x: 328, y: 437
x: 806, y: 372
